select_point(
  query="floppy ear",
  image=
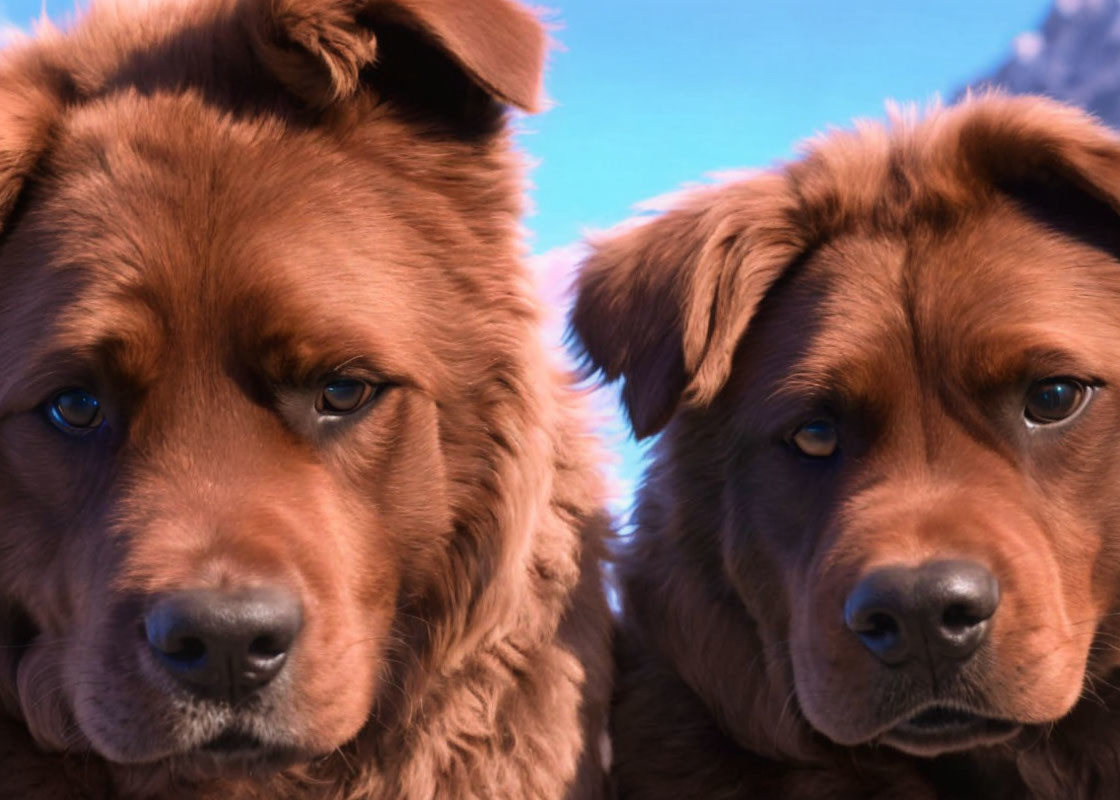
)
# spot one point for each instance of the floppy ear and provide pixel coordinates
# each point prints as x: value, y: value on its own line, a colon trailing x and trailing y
x: 1016, y: 141
x: 319, y: 48
x: 663, y: 306
x: 28, y: 109
x: 1056, y: 162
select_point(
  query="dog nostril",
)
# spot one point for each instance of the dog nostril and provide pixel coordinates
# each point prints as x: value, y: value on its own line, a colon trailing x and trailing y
x: 957, y: 600
x: 880, y: 626
x: 268, y: 647
x: 876, y: 612
x: 187, y: 650
x: 960, y: 618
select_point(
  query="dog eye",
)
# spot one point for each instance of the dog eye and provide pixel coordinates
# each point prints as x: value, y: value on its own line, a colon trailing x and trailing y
x: 75, y: 411
x: 1054, y: 400
x: 343, y: 396
x: 816, y: 439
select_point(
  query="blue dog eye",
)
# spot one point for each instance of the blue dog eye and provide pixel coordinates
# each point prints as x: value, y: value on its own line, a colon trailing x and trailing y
x: 75, y: 411
x: 816, y: 439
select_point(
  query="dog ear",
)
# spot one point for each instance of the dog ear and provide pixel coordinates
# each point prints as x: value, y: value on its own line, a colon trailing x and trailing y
x: 319, y: 48
x: 1039, y: 150
x: 30, y: 105
x: 663, y: 306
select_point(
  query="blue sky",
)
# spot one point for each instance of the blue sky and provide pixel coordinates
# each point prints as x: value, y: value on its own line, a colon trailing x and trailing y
x: 652, y: 94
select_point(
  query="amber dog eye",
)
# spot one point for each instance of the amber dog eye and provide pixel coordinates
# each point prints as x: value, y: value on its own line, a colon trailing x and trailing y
x: 817, y: 439
x: 1055, y: 399
x: 75, y: 411
x: 343, y: 396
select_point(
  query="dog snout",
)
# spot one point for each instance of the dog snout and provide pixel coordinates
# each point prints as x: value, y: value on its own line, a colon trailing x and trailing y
x: 224, y: 645
x: 940, y: 610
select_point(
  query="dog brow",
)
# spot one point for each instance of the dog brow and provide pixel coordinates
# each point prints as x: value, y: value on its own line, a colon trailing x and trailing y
x: 818, y: 380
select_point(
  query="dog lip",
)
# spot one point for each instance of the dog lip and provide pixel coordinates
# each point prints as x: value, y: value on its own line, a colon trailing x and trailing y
x: 233, y: 753
x: 938, y: 717
x: 233, y: 742
x: 940, y: 728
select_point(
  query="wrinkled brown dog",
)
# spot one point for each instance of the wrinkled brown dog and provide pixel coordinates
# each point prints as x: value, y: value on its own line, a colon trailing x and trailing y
x: 878, y: 550
x: 291, y: 502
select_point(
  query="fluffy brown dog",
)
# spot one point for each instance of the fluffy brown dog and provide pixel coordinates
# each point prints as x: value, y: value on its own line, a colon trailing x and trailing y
x: 878, y: 550
x: 291, y: 503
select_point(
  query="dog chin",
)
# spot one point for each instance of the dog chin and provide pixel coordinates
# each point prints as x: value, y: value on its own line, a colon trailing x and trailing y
x: 202, y: 766
x: 939, y: 729
x: 199, y: 739
x: 234, y: 755
x: 228, y: 756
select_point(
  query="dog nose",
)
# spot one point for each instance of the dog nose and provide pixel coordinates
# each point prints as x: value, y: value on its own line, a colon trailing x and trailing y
x: 224, y: 645
x: 943, y: 607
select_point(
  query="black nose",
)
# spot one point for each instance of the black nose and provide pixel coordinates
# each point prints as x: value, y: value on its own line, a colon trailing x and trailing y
x: 224, y: 645
x: 941, y: 608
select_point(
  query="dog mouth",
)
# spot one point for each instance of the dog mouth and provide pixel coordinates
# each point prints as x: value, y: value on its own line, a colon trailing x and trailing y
x: 938, y: 729
x: 231, y: 755
x: 233, y: 742
x: 232, y: 747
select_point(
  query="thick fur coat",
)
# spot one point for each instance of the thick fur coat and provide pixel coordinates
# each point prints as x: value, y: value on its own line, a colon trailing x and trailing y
x: 214, y: 217
x: 901, y: 350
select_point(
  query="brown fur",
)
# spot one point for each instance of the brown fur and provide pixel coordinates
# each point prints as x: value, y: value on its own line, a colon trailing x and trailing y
x: 913, y: 281
x: 206, y: 208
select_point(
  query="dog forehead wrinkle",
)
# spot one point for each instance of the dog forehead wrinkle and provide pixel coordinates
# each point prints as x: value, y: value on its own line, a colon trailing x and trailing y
x: 850, y: 286
x: 883, y: 352
x: 292, y: 334
x: 282, y: 267
x: 105, y: 340
x: 147, y: 156
x: 924, y: 405
x: 385, y: 235
x: 998, y: 258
